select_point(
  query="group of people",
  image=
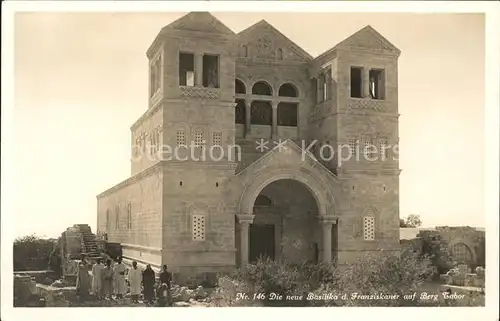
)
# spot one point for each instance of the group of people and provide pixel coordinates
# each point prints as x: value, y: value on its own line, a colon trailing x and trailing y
x: 108, y: 280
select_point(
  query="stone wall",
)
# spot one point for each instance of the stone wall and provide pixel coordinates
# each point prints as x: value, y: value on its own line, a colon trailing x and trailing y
x: 147, y: 135
x: 141, y: 232
x: 205, y: 116
x: 438, y: 242
x: 472, y: 238
x: 197, y: 189
x: 369, y: 195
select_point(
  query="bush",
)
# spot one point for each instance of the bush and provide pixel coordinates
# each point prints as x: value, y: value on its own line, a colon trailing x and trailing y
x: 440, y: 258
x: 270, y: 283
x: 32, y: 253
x: 390, y: 275
x: 229, y: 293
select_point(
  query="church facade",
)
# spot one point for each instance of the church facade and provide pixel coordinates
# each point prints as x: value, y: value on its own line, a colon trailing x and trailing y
x: 250, y: 148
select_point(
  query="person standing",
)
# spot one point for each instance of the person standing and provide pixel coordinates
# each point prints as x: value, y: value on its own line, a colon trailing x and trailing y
x: 119, y: 274
x: 148, y: 281
x: 166, y: 281
x: 107, y: 280
x: 165, y: 276
x: 134, y: 280
x: 83, y: 282
x: 97, y: 279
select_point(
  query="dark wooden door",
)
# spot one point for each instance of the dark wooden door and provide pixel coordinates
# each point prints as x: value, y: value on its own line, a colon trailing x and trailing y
x: 261, y: 241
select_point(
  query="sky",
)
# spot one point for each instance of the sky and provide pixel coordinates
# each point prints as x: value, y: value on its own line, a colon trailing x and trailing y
x: 81, y: 80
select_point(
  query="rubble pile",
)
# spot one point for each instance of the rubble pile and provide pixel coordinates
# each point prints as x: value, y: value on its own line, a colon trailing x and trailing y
x: 25, y: 293
x: 462, y: 276
x: 185, y: 297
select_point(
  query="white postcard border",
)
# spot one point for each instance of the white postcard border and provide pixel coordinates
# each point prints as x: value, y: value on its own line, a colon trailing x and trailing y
x: 8, y: 190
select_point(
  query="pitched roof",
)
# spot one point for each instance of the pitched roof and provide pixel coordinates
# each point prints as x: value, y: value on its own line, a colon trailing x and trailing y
x: 200, y: 21
x: 266, y: 25
x: 367, y: 38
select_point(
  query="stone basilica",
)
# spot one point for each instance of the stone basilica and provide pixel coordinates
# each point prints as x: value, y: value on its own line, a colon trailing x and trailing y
x: 273, y: 190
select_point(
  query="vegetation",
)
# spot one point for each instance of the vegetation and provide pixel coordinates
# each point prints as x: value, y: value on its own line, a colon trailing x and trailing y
x: 439, y: 256
x: 413, y: 220
x: 394, y: 278
x: 270, y: 283
x: 384, y: 274
x: 32, y: 253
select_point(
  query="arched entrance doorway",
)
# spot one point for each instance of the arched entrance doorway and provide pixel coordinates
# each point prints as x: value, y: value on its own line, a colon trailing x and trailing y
x: 286, y: 220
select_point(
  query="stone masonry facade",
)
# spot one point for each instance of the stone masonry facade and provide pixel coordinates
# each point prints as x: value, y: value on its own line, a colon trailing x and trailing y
x: 211, y: 87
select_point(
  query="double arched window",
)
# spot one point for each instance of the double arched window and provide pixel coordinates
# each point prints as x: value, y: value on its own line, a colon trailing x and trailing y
x: 261, y: 107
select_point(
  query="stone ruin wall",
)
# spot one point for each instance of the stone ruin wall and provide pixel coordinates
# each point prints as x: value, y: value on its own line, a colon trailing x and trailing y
x: 445, y: 237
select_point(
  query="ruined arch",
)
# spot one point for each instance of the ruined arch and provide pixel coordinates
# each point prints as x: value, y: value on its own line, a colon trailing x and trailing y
x: 457, y: 243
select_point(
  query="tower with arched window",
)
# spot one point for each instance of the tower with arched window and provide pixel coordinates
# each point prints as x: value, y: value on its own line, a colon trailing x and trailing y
x: 251, y: 147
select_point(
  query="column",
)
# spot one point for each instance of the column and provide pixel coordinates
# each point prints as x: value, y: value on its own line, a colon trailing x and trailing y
x: 198, y: 70
x: 244, y: 220
x: 326, y: 224
x: 274, y: 128
x: 366, y: 82
x: 328, y: 93
x: 248, y: 116
x: 319, y: 86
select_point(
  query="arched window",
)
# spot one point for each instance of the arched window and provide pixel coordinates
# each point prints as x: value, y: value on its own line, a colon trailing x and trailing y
x: 280, y: 54
x: 108, y: 220
x: 117, y: 217
x: 244, y: 51
x: 263, y: 200
x: 288, y: 90
x: 262, y: 88
x: 129, y: 215
x: 239, y: 87
x: 461, y: 253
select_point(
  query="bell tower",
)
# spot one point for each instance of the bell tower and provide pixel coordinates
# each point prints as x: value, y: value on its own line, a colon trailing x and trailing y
x: 367, y: 128
x: 192, y: 78
x: 361, y: 73
x: 192, y: 72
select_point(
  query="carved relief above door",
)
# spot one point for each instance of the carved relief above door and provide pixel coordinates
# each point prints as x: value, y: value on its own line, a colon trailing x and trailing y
x: 265, y: 47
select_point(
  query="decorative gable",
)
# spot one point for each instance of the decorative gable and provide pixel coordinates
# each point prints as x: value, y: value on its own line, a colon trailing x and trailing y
x: 265, y: 42
x: 368, y: 39
x: 201, y: 22
x: 287, y: 155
